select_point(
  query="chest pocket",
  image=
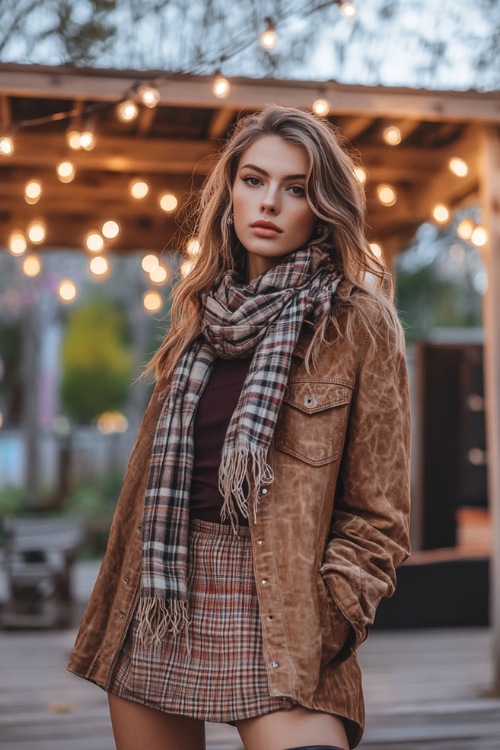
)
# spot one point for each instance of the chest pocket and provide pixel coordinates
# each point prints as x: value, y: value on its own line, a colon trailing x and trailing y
x: 312, y: 421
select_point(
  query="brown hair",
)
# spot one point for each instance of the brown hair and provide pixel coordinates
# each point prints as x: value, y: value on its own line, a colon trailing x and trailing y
x: 333, y: 193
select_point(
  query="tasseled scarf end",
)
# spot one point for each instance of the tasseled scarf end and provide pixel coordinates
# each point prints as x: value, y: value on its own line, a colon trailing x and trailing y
x: 238, y: 464
x: 158, y: 617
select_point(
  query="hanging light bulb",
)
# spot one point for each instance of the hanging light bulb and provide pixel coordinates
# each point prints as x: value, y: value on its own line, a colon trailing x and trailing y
x: 149, y: 262
x: 321, y: 107
x: 149, y: 96
x: 87, y: 140
x: 441, y: 213
x: 17, y: 242
x: 73, y: 139
x: 110, y: 229
x: 99, y: 266
x: 347, y: 9
x: 32, y: 265
x: 392, y: 135
x: 152, y: 301
x: 94, y: 242
x: 168, y: 202
x: 66, y: 171
x: 387, y: 195
x: 376, y: 249
x: 221, y: 87
x: 193, y: 247
x: 37, y: 231
x: 159, y: 274
x: 465, y: 229
x: 458, y: 166
x: 127, y: 110
x: 32, y: 192
x: 67, y: 290
x: 139, y: 189
x: 360, y: 174
x: 6, y: 146
x: 479, y: 236
x: 187, y: 266
x: 269, y: 38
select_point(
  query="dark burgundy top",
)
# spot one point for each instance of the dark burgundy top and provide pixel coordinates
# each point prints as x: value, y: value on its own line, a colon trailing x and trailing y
x: 215, y: 409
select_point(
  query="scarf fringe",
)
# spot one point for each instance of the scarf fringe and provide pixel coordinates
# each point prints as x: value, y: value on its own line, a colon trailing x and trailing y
x: 158, y: 616
x: 237, y: 464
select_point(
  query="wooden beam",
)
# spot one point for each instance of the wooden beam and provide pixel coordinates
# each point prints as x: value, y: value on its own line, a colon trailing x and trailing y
x: 354, y: 127
x: 196, y: 92
x: 220, y: 122
x: 490, y: 203
x: 5, y: 113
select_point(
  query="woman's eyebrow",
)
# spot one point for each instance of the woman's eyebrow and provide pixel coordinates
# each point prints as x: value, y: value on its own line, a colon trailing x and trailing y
x: 266, y: 174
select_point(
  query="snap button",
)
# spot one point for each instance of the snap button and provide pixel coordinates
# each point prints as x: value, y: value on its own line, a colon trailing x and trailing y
x: 121, y: 616
x: 270, y: 617
x: 264, y: 490
x: 265, y: 581
x: 126, y: 580
x: 139, y: 528
x: 274, y: 664
x: 260, y: 541
x: 309, y: 401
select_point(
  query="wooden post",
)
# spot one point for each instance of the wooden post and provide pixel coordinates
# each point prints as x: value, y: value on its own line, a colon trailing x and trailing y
x: 490, y: 199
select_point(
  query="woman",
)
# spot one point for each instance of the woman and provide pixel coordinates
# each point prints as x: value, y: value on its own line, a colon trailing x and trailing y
x: 265, y: 506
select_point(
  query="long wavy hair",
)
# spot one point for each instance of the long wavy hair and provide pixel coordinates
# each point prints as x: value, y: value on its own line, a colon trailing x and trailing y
x: 334, y: 195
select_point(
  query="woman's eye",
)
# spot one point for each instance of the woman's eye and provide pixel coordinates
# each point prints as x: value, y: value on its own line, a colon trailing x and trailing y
x: 251, y: 180
x: 297, y: 190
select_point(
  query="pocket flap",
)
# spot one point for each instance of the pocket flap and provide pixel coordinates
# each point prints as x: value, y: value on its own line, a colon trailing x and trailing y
x: 314, y: 396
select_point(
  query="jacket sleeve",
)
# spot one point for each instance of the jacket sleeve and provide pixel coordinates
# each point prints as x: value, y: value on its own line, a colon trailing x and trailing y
x: 369, y: 535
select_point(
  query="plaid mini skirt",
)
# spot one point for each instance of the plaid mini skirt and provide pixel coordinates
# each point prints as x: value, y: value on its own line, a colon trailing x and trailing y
x: 224, y: 678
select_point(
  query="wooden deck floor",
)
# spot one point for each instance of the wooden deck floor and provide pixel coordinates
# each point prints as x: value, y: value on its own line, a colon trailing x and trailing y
x: 425, y: 690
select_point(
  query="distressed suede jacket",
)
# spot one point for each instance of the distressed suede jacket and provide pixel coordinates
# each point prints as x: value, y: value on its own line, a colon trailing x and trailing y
x: 331, y: 529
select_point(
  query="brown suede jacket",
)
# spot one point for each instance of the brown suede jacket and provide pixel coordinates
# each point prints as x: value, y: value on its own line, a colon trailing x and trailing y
x: 330, y: 531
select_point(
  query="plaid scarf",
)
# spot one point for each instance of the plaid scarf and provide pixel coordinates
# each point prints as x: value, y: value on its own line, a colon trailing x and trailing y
x: 263, y: 317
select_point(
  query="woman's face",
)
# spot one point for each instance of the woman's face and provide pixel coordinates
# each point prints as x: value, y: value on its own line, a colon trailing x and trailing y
x: 272, y: 217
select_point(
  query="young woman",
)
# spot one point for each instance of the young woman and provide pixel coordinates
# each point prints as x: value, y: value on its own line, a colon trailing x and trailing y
x: 265, y: 506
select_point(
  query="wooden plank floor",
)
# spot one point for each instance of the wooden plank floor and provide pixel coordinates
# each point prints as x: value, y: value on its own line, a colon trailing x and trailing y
x: 425, y: 690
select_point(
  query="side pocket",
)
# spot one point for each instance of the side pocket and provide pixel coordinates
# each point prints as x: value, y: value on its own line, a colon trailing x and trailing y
x: 337, y: 632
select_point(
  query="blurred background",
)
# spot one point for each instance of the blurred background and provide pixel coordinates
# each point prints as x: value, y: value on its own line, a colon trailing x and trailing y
x: 111, y: 115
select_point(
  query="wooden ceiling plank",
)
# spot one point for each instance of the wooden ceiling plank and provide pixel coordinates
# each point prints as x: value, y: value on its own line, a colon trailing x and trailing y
x: 220, y: 122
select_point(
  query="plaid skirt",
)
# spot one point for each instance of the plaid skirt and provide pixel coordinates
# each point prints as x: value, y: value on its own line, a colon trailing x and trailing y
x: 224, y: 678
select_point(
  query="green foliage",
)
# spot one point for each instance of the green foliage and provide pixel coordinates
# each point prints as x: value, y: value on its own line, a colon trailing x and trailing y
x: 94, y: 503
x: 13, y: 501
x: 96, y: 361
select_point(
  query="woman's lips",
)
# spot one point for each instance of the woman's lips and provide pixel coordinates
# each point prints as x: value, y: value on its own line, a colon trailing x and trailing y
x: 265, y: 229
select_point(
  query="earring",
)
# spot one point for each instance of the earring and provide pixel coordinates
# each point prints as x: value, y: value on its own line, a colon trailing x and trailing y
x: 318, y: 229
x: 229, y: 220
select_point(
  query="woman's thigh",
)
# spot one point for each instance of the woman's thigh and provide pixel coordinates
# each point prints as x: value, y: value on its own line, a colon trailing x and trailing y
x: 297, y: 727
x: 136, y: 727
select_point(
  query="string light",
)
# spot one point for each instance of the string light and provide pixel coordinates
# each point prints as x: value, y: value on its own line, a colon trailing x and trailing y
x: 221, y: 87
x: 110, y: 229
x: 465, y: 229
x: 127, y: 110
x: 17, y: 242
x: 6, y: 146
x: 168, y: 202
x: 99, y: 265
x: 32, y: 265
x: 376, y: 249
x: 112, y: 421
x: 94, y: 242
x: 360, y: 174
x: 149, y: 96
x: 159, y: 274
x: 387, y: 195
x: 152, y: 301
x: 67, y: 290
x: 458, y: 166
x: 269, y: 38
x: 441, y: 213
x: 187, y: 266
x: 66, y: 171
x: 149, y: 262
x: 32, y: 192
x: 347, y: 9
x: 73, y: 139
x: 193, y: 247
x: 37, y: 231
x: 392, y: 135
x: 479, y: 236
x: 87, y: 140
x: 139, y: 189
x: 321, y: 107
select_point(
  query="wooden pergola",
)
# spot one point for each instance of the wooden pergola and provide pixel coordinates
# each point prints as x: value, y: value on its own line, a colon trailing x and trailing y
x: 173, y: 145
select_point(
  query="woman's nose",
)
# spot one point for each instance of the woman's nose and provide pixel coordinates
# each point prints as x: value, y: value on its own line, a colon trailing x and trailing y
x: 270, y: 202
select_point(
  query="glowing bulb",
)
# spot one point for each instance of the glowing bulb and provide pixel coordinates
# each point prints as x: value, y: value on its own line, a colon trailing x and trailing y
x: 149, y: 96
x: 67, y: 290
x: 479, y: 237
x: 94, y: 242
x: 32, y: 192
x: 441, y: 213
x: 99, y: 266
x: 32, y: 265
x: 321, y: 107
x: 149, y: 262
x: 17, y: 243
x: 110, y: 229
x: 168, y: 202
x: 465, y: 229
x: 159, y: 274
x: 269, y: 38
x: 376, y: 249
x: 360, y: 174
x: 127, y: 110
x: 348, y: 10
x: 193, y: 247
x: 6, y: 146
x: 73, y: 139
x: 87, y: 140
x: 66, y: 171
x: 37, y: 232
x: 458, y: 166
x: 221, y: 87
x: 392, y: 135
x: 387, y: 195
x: 139, y: 189
x: 187, y: 266
x: 152, y: 301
